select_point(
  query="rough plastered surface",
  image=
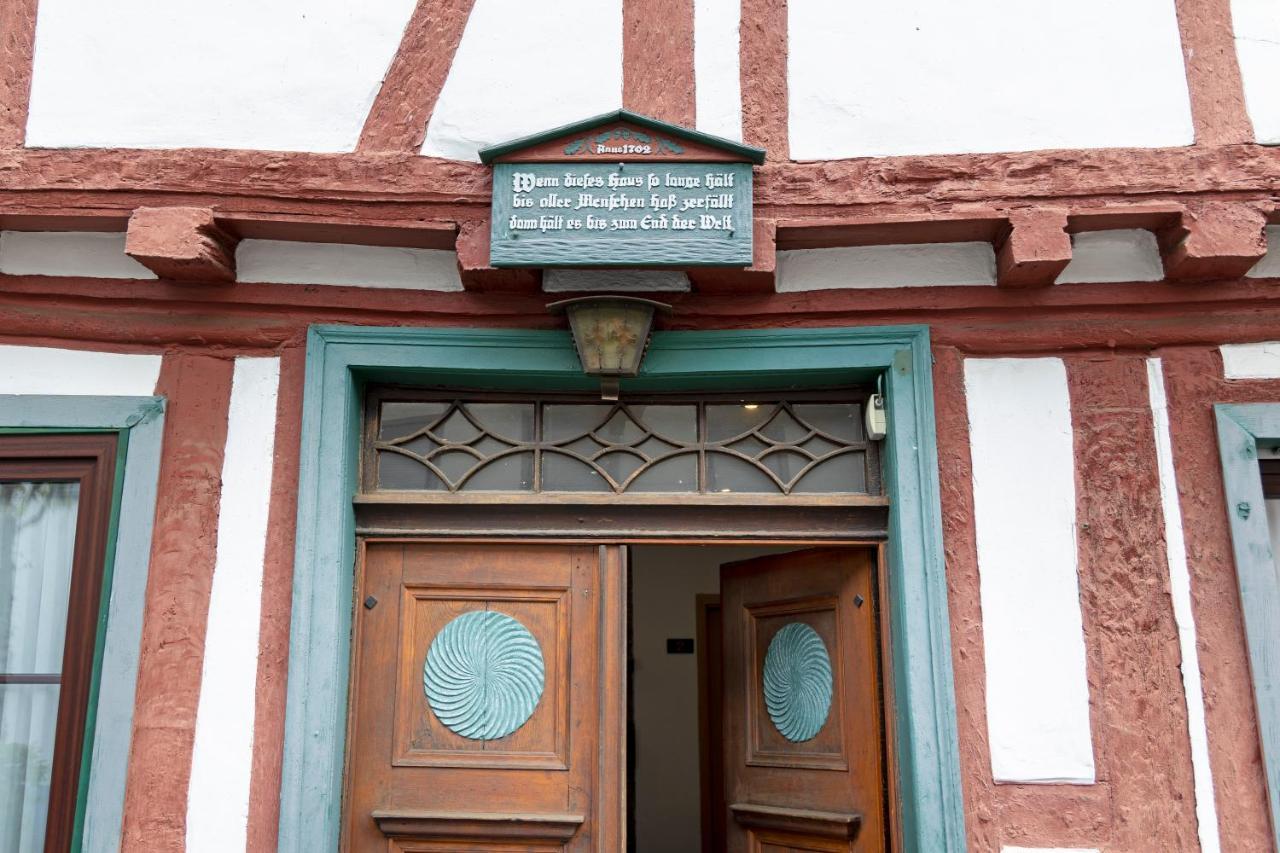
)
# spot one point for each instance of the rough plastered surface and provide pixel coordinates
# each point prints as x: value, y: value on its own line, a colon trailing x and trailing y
x: 72, y: 253
x: 923, y: 265
x: 1251, y: 361
x: 222, y: 755
x: 936, y: 77
x: 290, y: 75
x: 1183, y: 613
x: 1257, y: 28
x: 287, y: 262
x: 1048, y: 850
x: 525, y: 67
x: 47, y: 370
x: 636, y: 281
x: 1269, y: 266
x: 717, y: 84
x: 1024, y: 499
x: 1106, y: 256
x: 1194, y: 383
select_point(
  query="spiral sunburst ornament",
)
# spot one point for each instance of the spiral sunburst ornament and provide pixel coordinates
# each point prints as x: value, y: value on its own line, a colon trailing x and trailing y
x: 797, y: 682
x: 484, y: 675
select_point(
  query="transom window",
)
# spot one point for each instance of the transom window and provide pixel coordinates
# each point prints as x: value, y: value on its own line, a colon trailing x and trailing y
x: 760, y: 445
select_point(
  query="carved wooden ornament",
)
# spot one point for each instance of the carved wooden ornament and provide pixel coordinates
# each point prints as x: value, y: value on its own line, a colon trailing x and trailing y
x: 797, y: 682
x: 484, y: 675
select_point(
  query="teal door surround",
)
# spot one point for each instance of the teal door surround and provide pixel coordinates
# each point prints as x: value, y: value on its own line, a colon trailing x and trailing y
x: 139, y: 424
x: 1242, y: 430
x: 341, y: 360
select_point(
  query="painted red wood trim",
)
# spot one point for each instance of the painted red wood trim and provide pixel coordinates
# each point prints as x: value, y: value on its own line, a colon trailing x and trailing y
x: 1194, y: 382
x: 763, y: 77
x: 1033, y: 249
x: 657, y: 59
x: 183, y: 550
x: 397, y: 121
x: 182, y: 244
x: 399, y: 189
x: 277, y: 590
x: 1130, y: 633
x: 1214, y: 240
x: 17, y: 47
x: 136, y: 315
x: 1213, y: 72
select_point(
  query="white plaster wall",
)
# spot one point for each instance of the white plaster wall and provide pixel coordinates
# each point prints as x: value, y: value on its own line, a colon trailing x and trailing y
x: 923, y: 265
x: 284, y: 75
x: 1117, y: 255
x: 222, y: 757
x: 288, y: 262
x: 524, y: 67
x: 1257, y: 29
x: 1183, y: 614
x: 624, y: 280
x: 717, y: 80
x: 1251, y: 361
x: 1269, y: 266
x: 1025, y: 521
x: 48, y: 370
x: 71, y: 253
x: 938, y: 76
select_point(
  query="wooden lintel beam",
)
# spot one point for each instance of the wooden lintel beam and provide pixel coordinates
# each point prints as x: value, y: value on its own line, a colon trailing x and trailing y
x: 757, y: 278
x: 182, y: 244
x: 1216, y: 240
x: 1034, y: 249
x: 476, y: 271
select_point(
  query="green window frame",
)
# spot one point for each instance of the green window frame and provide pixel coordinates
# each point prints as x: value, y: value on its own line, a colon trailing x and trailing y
x: 139, y: 425
x: 342, y: 360
x: 1243, y: 429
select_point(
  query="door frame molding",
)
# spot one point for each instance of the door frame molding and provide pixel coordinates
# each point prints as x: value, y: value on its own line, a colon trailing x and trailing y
x: 342, y: 360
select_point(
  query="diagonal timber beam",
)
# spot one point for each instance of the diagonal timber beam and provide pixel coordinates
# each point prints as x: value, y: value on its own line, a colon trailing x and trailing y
x: 397, y: 121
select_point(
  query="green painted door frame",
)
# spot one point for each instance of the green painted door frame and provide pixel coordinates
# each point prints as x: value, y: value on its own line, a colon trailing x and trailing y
x: 342, y: 360
x: 1242, y: 430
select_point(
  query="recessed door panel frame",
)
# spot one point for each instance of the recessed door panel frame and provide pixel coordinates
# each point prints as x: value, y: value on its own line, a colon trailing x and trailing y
x: 341, y: 361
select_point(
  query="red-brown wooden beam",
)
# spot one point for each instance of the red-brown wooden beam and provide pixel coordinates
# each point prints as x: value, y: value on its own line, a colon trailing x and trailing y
x: 1213, y: 72
x: 1214, y: 241
x: 380, y: 187
x: 198, y: 388
x: 657, y: 59
x: 17, y: 45
x: 1033, y: 249
x: 398, y: 119
x: 763, y: 76
x: 181, y: 244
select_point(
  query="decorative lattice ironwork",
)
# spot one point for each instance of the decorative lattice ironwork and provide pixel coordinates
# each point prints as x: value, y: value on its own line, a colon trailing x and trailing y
x: 757, y: 447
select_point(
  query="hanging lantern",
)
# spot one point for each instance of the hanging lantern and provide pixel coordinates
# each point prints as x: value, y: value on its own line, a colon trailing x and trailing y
x: 610, y: 334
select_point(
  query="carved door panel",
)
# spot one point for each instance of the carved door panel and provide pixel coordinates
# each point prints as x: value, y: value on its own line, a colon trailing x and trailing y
x: 803, y: 764
x: 481, y: 688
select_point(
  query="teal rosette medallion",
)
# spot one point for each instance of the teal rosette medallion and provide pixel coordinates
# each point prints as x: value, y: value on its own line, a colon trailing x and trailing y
x: 797, y: 682
x: 484, y: 675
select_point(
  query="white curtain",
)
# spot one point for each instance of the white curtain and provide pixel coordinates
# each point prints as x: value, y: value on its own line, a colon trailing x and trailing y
x: 37, y: 540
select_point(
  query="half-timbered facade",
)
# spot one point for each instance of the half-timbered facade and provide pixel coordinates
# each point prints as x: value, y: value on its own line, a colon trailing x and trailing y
x: 938, y: 516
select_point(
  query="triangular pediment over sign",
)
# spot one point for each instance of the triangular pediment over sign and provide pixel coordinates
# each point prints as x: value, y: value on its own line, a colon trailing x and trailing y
x: 622, y: 136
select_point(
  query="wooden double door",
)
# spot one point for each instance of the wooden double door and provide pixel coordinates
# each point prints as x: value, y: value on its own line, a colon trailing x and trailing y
x: 488, y: 701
